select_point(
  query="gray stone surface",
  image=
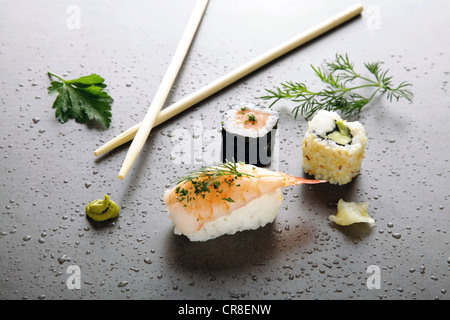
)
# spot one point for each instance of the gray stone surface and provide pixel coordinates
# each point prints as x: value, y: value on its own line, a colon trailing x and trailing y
x: 49, y: 173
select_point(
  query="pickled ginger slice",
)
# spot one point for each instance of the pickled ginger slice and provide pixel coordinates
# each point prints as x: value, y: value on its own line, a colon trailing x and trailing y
x: 351, y: 212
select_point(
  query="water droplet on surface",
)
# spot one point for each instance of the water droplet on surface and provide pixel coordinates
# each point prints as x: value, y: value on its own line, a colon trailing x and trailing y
x: 63, y: 259
x: 396, y: 235
x: 422, y: 269
x: 122, y: 284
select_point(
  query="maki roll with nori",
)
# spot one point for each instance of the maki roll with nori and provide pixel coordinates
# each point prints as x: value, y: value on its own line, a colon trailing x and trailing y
x: 333, y: 149
x: 248, y: 133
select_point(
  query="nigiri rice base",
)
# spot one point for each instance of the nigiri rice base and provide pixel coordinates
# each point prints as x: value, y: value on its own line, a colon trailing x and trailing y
x: 255, y: 214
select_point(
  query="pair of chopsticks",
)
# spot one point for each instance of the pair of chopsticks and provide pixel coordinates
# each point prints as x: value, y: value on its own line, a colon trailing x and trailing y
x: 163, y: 90
x: 155, y: 116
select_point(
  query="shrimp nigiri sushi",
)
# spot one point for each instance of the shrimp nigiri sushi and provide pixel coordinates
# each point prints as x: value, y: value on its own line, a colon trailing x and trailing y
x: 226, y: 198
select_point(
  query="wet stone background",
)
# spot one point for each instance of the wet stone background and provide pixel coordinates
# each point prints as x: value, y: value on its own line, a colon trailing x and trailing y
x: 49, y: 172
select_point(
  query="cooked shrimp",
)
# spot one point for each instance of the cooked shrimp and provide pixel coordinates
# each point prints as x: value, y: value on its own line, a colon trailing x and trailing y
x: 211, y: 193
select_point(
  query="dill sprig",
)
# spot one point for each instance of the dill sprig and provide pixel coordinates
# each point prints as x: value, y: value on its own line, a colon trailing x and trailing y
x: 337, y: 95
x: 226, y: 169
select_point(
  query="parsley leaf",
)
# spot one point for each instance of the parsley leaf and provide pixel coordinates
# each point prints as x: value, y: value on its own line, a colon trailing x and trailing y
x: 82, y: 99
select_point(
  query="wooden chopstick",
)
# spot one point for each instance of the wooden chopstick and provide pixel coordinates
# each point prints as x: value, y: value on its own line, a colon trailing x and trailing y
x: 164, y: 88
x: 237, y: 74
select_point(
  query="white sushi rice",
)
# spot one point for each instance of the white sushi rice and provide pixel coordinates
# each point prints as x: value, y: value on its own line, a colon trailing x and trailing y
x: 232, y: 126
x: 323, y: 122
x: 254, y: 215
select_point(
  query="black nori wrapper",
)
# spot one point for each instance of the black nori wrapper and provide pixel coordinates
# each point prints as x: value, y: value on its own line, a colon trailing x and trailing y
x: 255, y: 151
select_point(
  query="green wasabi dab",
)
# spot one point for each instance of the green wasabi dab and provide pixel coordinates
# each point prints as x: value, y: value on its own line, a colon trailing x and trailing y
x: 102, y: 209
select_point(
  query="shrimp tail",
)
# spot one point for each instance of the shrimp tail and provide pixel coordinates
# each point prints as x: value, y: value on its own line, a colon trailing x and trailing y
x: 294, y: 181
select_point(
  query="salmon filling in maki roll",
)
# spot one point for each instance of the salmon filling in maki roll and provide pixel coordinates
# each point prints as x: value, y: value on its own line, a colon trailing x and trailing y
x: 248, y: 133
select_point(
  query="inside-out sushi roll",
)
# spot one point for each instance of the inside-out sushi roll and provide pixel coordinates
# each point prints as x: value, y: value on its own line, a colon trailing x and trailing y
x: 225, y: 199
x: 248, y: 133
x: 333, y: 149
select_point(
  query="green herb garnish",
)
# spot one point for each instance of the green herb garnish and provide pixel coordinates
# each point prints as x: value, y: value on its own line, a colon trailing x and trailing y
x: 82, y: 99
x: 211, y: 174
x: 251, y: 118
x: 337, y: 96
